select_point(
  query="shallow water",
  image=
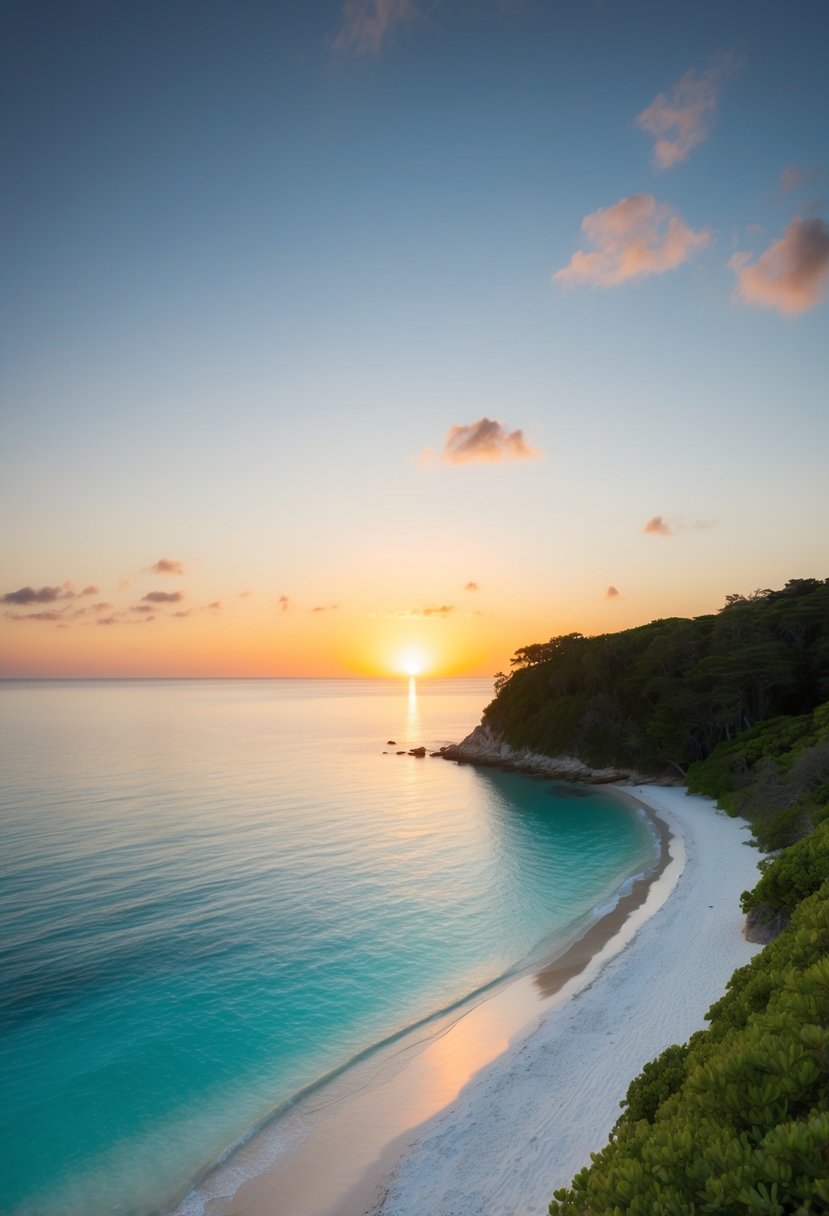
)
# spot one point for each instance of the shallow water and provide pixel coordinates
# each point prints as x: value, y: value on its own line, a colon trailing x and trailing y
x: 214, y: 893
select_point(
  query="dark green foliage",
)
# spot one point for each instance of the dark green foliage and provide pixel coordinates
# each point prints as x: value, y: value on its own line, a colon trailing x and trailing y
x: 776, y: 775
x: 663, y: 696
x: 793, y: 874
x: 657, y: 1081
x: 737, y: 1122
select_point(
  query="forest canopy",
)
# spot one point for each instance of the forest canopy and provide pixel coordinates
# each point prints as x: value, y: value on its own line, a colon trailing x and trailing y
x: 662, y: 696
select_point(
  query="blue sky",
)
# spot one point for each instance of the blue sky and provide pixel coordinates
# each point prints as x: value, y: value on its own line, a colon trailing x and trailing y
x: 260, y: 258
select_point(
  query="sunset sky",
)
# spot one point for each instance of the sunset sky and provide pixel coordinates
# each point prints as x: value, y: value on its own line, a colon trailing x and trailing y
x: 339, y: 336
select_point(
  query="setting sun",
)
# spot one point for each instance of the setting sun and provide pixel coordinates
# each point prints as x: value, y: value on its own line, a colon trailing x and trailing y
x: 412, y: 663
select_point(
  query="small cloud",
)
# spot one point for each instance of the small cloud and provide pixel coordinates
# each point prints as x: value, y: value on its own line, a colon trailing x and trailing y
x: 284, y: 602
x: 612, y: 593
x: 658, y: 527
x: 472, y: 587
x: 34, y: 616
x: 163, y: 597
x: 795, y: 176
x: 367, y: 24
x: 107, y: 620
x: 91, y: 589
x: 791, y: 275
x: 443, y: 610
x: 182, y: 613
x: 215, y: 606
x: 166, y: 565
x: 103, y: 606
x: 245, y: 595
x: 485, y: 442
x: 326, y: 608
x: 41, y: 595
x: 634, y: 238
x: 681, y: 120
x: 144, y: 608
x: 123, y: 584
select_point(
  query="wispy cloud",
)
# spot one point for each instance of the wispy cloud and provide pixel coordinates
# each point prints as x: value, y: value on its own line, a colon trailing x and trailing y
x: 483, y: 442
x: 142, y: 608
x: 634, y: 238
x: 657, y: 526
x: 612, y: 593
x: 660, y: 526
x: 682, y: 119
x: 795, y: 176
x: 284, y: 602
x: 90, y: 589
x: 325, y: 608
x: 50, y: 615
x: 472, y: 587
x: 163, y: 597
x: 214, y: 606
x: 791, y: 275
x: 368, y: 24
x: 166, y: 565
x: 439, y: 612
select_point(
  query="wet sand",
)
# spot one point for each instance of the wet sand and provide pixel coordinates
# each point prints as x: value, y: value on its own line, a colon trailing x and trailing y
x: 361, y: 1124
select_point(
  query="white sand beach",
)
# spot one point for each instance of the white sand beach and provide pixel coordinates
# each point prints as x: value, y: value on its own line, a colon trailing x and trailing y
x: 491, y: 1110
x: 527, y: 1122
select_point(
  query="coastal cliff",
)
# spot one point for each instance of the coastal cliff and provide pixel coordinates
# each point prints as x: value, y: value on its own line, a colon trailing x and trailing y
x: 484, y: 746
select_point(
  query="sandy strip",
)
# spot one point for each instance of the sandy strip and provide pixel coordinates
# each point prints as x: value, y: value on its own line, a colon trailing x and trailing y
x: 526, y: 1123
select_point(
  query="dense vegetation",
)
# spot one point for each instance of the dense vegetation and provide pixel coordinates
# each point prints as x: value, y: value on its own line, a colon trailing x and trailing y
x: 736, y: 1121
x: 660, y: 697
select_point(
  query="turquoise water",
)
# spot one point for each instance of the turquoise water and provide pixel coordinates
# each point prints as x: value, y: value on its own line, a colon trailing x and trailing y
x: 214, y: 893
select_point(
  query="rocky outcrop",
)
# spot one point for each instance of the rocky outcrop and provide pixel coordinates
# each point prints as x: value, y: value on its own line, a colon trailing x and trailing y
x: 763, y: 925
x: 484, y: 747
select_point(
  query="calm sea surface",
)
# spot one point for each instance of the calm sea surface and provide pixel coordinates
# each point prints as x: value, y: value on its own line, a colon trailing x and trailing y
x: 214, y: 893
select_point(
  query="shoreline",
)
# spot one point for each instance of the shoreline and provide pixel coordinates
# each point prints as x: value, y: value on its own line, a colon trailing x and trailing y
x: 337, y: 1147
x: 528, y: 1122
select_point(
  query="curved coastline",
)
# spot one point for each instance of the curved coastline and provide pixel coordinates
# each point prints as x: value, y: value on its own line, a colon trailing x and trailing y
x: 339, y: 1155
x: 528, y: 1122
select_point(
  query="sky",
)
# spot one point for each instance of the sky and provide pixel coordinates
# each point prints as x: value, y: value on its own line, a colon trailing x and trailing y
x: 366, y: 336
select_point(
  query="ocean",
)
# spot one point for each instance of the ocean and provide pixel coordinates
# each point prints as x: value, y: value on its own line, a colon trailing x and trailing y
x: 215, y: 894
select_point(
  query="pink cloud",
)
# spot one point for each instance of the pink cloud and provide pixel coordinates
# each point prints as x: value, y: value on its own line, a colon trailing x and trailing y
x: 485, y: 442
x: 32, y: 595
x: 284, y: 602
x: 791, y: 275
x: 634, y: 238
x: 612, y: 593
x: 367, y: 24
x: 167, y: 565
x: 472, y: 587
x: 682, y: 119
x: 658, y: 526
x: 795, y: 176
x: 163, y: 597
x: 33, y: 616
